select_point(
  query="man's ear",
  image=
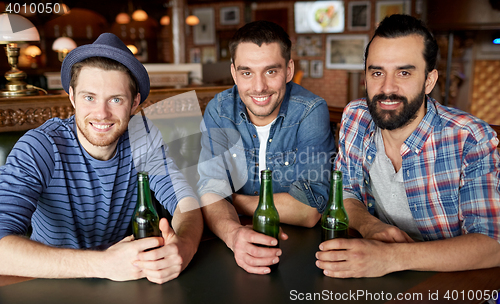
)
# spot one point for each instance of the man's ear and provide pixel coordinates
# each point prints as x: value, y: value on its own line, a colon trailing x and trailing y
x: 431, y: 81
x: 233, y: 73
x: 72, y: 96
x: 136, y: 102
x: 290, y: 68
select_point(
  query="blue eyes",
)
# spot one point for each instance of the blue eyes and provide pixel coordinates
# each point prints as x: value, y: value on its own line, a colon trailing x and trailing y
x: 113, y: 100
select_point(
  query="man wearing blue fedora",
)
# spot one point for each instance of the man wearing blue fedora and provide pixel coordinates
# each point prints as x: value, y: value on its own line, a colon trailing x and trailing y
x: 74, y: 182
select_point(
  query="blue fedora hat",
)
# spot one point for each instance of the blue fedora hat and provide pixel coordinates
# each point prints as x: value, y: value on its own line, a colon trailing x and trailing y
x: 110, y: 46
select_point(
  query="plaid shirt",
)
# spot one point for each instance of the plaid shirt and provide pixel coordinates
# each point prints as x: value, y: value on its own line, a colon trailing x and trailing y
x: 451, y: 169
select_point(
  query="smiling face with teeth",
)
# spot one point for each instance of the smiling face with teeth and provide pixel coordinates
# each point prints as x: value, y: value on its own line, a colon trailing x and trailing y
x: 396, y: 81
x: 103, y: 104
x: 261, y: 74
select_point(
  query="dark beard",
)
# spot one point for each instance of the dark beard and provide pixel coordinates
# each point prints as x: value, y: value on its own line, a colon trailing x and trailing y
x: 390, y: 119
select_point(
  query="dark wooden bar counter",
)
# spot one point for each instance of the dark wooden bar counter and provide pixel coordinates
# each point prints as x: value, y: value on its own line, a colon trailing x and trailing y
x: 214, y: 277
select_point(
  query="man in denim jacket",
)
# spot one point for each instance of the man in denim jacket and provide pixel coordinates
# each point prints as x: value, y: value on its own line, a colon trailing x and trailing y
x: 264, y: 122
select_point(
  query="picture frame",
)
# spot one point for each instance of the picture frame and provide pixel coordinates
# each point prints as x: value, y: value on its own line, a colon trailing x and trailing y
x: 304, y: 67
x: 319, y: 16
x: 208, y: 55
x: 204, y: 32
x: 195, y: 55
x: 229, y: 15
x: 316, y: 70
x: 345, y: 52
x: 387, y: 8
x: 310, y: 45
x: 359, y: 15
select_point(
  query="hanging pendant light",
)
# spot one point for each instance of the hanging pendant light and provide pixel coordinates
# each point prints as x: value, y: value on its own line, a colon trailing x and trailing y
x: 140, y: 15
x: 192, y: 20
x: 122, y: 18
x: 165, y: 20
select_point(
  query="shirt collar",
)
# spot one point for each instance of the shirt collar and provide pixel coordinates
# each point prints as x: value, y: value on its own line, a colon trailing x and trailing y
x: 425, y: 128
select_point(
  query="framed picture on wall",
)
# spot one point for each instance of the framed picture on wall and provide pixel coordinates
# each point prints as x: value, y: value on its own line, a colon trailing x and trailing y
x: 387, y: 8
x: 316, y: 69
x: 204, y: 32
x: 345, y: 52
x: 359, y: 16
x: 309, y: 45
x: 304, y: 67
x: 230, y: 15
x: 208, y: 55
x: 195, y: 55
x: 319, y: 16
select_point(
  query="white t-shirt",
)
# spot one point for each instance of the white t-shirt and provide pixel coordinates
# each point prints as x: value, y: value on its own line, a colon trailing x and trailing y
x: 263, y: 133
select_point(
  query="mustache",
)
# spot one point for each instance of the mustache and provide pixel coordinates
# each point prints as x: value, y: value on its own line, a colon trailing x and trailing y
x: 392, y: 97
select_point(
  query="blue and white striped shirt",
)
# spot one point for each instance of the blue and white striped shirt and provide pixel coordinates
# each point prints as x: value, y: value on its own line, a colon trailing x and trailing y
x: 71, y: 199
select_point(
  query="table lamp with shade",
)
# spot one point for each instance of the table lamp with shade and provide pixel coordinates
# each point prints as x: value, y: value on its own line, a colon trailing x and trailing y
x: 63, y: 45
x: 14, y: 29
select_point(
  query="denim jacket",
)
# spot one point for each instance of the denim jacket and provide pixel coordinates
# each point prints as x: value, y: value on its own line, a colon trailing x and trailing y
x: 299, y: 148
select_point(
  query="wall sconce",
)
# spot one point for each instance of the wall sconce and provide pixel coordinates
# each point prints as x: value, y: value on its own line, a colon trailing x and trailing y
x: 13, y: 29
x: 192, y: 20
x: 63, y: 45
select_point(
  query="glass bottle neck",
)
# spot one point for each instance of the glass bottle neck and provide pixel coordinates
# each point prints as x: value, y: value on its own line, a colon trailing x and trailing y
x: 336, y: 195
x: 143, y: 191
x: 266, y: 193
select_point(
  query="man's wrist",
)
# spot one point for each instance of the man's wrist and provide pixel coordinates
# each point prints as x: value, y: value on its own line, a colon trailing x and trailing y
x: 95, y: 262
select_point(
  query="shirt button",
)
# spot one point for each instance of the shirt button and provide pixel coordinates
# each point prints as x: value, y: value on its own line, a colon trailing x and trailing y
x: 234, y: 155
x: 366, y: 181
x: 370, y: 204
x: 256, y: 192
x: 270, y: 139
x: 369, y: 157
x: 408, y: 173
x: 256, y: 164
x: 286, y: 163
x: 254, y: 136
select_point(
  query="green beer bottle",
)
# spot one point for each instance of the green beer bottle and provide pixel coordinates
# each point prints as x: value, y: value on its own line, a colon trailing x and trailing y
x: 145, y: 221
x: 266, y: 219
x: 334, y: 221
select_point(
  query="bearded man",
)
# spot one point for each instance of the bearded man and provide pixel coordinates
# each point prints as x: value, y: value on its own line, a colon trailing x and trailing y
x: 421, y: 180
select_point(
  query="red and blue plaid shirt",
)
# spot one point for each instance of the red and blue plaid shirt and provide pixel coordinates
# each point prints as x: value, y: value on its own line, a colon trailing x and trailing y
x: 451, y: 169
